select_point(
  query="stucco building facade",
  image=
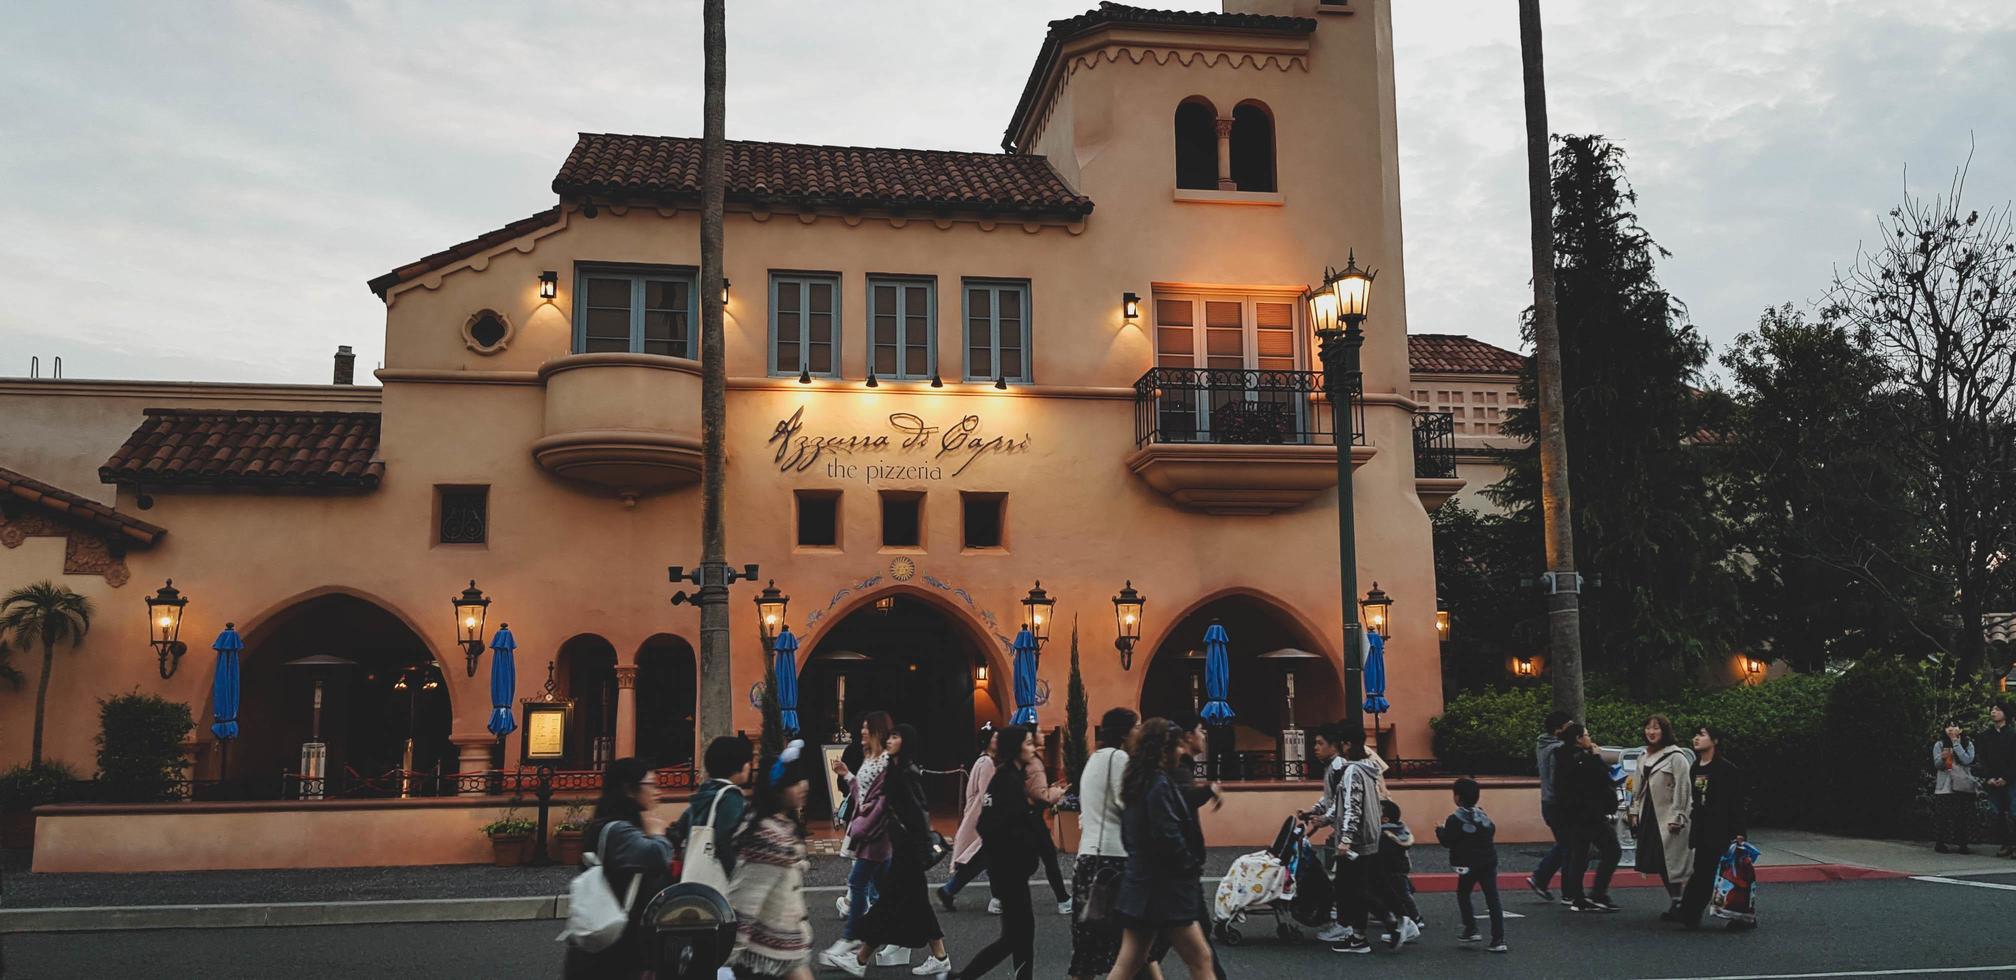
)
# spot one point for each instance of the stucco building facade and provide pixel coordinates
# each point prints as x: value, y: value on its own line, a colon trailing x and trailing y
x: 1083, y: 361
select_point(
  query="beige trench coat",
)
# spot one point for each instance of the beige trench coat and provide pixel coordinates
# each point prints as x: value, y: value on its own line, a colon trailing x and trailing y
x: 1666, y: 778
x: 966, y: 843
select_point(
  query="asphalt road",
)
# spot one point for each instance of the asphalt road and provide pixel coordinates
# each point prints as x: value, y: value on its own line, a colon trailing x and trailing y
x: 1849, y: 928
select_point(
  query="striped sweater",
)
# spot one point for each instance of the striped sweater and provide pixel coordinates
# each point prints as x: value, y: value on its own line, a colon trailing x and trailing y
x: 774, y: 934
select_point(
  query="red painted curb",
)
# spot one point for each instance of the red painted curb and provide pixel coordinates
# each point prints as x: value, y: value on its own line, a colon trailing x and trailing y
x: 1781, y: 874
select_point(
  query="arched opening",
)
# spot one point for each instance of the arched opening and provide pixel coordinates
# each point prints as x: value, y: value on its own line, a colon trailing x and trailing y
x: 1196, y: 145
x: 585, y: 670
x: 1253, y: 147
x: 904, y: 654
x: 380, y: 688
x: 666, y: 679
x: 1271, y: 655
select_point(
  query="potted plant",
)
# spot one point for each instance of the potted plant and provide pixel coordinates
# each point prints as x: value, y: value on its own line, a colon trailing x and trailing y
x: 567, y: 836
x: 26, y: 787
x: 510, y: 837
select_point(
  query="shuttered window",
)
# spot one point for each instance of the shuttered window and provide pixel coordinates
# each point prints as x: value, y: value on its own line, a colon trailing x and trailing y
x: 805, y: 324
x: 997, y: 330
x: 902, y: 327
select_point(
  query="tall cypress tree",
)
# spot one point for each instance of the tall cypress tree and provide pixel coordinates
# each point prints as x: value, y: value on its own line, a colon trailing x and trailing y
x: 1076, y: 715
x: 1646, y: 532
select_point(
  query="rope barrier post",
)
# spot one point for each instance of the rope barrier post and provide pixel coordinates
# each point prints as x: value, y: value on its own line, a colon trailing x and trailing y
x: 540, y: 858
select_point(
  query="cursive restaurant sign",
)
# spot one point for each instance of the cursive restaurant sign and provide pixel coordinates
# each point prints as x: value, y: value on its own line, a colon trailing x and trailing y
x: 911, y: 449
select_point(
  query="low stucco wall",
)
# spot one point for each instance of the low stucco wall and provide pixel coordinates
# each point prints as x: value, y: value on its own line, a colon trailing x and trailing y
x: 1253, y: 812
x: 322, y: 834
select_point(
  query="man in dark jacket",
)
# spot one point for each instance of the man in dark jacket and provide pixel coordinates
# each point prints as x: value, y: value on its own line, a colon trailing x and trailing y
x: 1718, y: 820
x: 1544, y: 748
x: 1587, y: 802
x: 1995, y: 769
x: 729, y: 765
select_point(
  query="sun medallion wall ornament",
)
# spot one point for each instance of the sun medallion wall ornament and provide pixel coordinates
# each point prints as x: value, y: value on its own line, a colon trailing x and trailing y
x: 902, y: 569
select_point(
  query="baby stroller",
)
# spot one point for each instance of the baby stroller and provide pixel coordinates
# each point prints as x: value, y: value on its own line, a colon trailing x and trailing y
x: 1264, y: 883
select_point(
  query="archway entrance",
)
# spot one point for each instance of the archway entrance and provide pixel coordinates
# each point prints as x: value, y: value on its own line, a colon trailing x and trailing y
x: 1271, y: 655
x: 585, y: 671
x: 380, y: 687
x: 665, y: 699
x: 904, y: 655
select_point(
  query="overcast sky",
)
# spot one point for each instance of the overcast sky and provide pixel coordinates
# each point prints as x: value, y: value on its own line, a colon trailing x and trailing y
x: 200, y: 190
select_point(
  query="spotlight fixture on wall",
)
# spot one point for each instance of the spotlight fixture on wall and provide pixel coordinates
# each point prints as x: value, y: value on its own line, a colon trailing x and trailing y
x: 1130, y: 305
x: 804, y: 375
x: 935, y: 381
x: 724, y: 290
x: 549, y: 284
x: 1000, y: 382
x: 872, y: 383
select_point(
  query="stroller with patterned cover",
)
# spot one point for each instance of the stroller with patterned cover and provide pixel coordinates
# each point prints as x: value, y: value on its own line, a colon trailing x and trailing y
x: 1263, y: 883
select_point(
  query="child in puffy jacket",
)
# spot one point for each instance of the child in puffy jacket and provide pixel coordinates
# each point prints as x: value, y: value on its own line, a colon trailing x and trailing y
x: 1470, y: 837
x: 1394, y: 863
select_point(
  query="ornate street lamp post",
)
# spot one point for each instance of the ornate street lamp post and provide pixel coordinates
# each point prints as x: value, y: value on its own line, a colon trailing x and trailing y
x: 1376, y: 605
x: 470, y: 609
x: 1127, y: 614
x: 164, y: 625
x: 770, y: 607
x: 1337, y: 314
x: 1036, y: 607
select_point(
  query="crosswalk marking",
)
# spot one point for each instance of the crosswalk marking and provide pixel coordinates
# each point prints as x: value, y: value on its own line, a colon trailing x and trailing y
x: 1936, y: 879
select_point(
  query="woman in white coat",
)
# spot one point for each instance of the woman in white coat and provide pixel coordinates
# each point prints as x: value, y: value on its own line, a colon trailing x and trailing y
x: 1661, y: 800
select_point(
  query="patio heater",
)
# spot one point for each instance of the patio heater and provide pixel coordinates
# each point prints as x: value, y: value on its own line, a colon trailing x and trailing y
x: 1294, y: 741
x: 313, y: 776
x: 841, y: 735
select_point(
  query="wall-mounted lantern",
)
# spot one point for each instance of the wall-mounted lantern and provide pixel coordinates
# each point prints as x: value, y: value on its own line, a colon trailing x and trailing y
x: 1127, y: 615
x: 724, y: 290
x: 164, y: 626
x: 1377, y: 604
x: 1441, y: 621
x: 980, y: 674
x: 1753, y: 668
x: 470, y: 608
x: 549, y: 284
x: 770, y: 607
x: 1130, y: 305
x: 1525, y: 667
x: 1036, y: 607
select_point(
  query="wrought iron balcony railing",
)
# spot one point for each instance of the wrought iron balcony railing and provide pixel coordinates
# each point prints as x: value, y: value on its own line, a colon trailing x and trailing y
x: 1236, y: 406
x: 1434, y: 445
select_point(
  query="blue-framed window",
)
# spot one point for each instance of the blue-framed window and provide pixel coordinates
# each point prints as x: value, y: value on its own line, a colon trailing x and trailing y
x: 997, y: 329
x: 903, y: 327
x: 805, y: 324
x: 636, y: 310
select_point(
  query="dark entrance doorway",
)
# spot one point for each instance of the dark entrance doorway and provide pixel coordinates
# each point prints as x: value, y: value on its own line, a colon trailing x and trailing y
x: 391, y: 691
x: 903, y: 655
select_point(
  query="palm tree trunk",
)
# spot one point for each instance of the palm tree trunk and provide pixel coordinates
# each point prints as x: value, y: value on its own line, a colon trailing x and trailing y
x: 716, y: 707
x: 41, y: 702
x: 1564, y: 618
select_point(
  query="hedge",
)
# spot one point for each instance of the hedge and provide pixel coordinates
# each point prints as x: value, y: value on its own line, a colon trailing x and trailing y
x: 140, y: 754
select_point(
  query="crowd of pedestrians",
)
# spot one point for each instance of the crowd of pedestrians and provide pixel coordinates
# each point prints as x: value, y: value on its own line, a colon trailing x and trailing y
x: 1136, y: 890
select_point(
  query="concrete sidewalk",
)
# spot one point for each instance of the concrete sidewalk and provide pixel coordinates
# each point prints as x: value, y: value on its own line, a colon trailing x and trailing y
x: 475, y: 893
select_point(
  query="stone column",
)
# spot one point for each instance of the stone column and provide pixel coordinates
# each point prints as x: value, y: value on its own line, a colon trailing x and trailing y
x: 473, y: 755
x: 626, y: 710
x: 1225, y: 181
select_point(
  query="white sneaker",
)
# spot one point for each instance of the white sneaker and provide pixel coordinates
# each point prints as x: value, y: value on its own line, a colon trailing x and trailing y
x: 1064, y: 907
x: 892, y: 956
x: 1410, y: 931
x: 841, y: 948
x: 841, y: 904
x: 933, y: 967
x: 847, y: 964
x: 993, y: 906
x: 1335, y: 932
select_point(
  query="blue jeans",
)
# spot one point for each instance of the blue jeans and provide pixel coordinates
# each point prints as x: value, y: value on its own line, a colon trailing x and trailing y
x: 1557, y: 855
x: 861, y: 892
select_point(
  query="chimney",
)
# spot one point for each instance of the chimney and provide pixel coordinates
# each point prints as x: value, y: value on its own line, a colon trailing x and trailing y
x: 346, y: 366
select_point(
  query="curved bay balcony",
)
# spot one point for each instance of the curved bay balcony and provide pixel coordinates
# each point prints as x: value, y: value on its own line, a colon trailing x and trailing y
x: 625, y: 422
x: 1228, y: 441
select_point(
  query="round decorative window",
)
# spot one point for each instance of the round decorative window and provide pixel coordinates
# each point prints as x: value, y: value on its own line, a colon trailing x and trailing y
x: 486, y: 332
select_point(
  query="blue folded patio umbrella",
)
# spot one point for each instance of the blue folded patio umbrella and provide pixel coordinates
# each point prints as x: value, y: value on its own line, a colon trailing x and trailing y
x: 1025, y: 679
x: 503, y: 682
x: 786, y: 658
x: 224, y: 687
x: 1375, y: 674
x: 1217, y: 677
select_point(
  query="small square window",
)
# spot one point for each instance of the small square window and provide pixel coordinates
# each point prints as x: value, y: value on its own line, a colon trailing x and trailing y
x: 983, y: 519
x: 902, y: 519
x: 461, y: 515
x: 818, y: 518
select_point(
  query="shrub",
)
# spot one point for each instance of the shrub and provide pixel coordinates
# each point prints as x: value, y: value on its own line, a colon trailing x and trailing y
x: 1490, y: 731
x: 26, y: 786
x: 1877, y: 761
x: 140, y: 747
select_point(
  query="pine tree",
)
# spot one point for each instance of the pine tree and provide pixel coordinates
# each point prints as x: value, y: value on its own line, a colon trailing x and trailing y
x: 1075, y: 715
x: 1646, y: 532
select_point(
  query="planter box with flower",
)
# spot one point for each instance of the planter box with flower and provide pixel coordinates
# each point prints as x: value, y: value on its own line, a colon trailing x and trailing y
x: 510, y: 838
x: 567, y: 836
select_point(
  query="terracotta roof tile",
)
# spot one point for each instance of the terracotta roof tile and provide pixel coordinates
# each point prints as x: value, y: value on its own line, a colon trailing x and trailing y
x: 20, y: 486
x: 1110, y: 14
x: 796, y: 174
x: 456, y: 253
x: 176, y: 447
x: 1443, y: 353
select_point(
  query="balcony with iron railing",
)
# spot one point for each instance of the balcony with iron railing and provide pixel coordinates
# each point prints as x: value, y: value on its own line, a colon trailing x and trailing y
x: 1435, y: 479
x: 1234, y: 441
